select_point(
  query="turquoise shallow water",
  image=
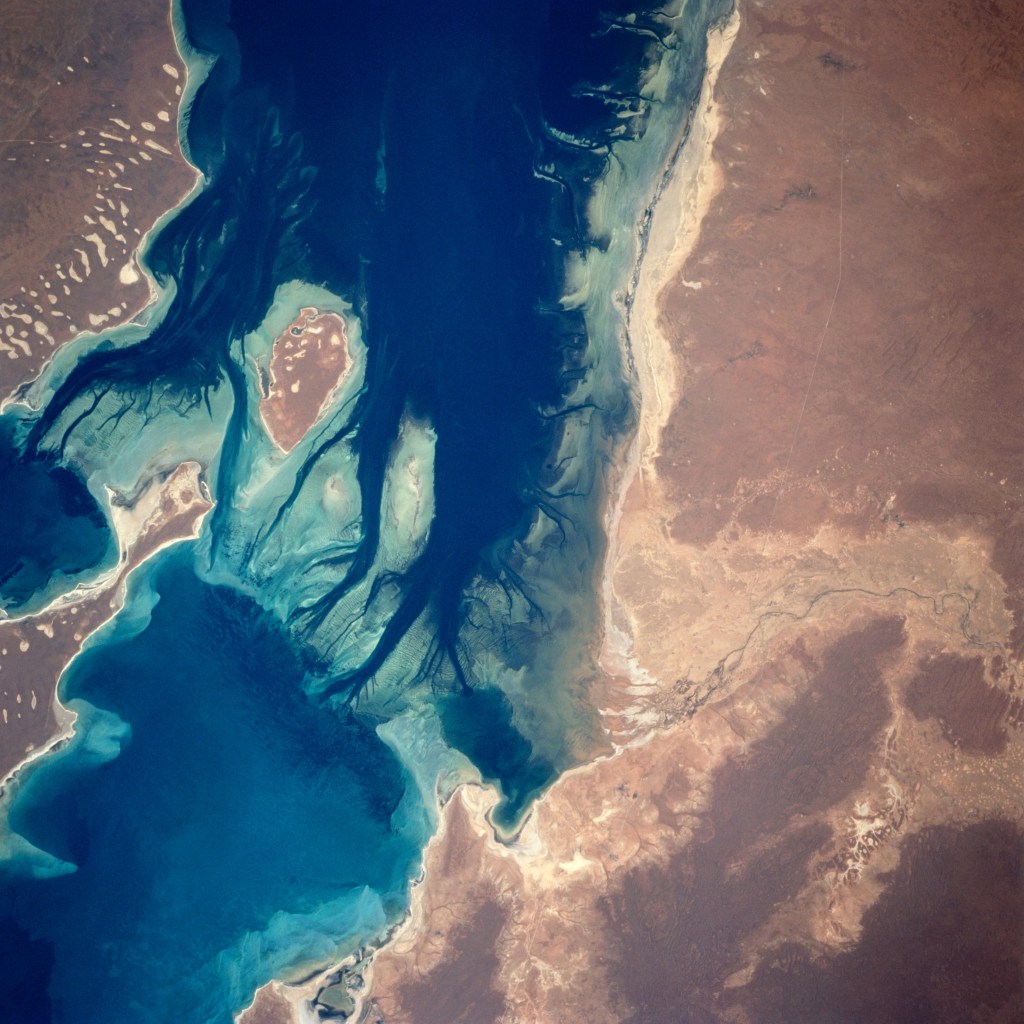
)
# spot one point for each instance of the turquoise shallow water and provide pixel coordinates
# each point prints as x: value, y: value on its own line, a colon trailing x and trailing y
x: 214, y: 822
x: 408, y: 597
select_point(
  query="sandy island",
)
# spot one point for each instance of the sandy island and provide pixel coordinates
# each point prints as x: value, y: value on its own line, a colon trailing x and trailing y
x: 309, y: 364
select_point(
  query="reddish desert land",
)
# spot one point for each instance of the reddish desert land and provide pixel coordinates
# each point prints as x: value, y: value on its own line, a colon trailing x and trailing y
x: 308, y: 362
x: 89, y: 160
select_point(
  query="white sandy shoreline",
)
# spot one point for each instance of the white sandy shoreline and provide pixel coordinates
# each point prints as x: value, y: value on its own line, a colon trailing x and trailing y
x: 127, y: 526
x: 675, y: 231
x: 130, y: 530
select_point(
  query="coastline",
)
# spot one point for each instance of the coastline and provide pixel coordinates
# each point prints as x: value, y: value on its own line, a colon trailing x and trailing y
x: 632, y: 831
x: 858, y: 651
x: 103, y: 139
x: 159, y: 510
x: 690, y: 188
x: 178, y: 515
x: 294, y: 1000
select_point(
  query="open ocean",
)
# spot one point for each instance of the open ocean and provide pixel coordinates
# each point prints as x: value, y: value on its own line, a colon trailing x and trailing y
x: 264, y: 730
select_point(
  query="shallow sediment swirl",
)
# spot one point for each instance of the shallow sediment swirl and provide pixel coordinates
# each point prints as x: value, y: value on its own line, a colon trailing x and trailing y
x: 378, y: 390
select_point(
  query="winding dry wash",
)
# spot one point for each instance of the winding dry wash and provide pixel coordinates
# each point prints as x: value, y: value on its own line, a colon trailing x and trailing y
x: 542, y: 514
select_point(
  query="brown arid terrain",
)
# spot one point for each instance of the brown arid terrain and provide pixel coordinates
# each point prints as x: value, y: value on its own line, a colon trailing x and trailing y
x: 308, y: 362
x: 815, y: 590
x: 89, y: 160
